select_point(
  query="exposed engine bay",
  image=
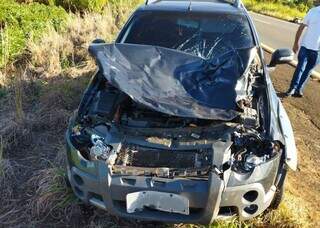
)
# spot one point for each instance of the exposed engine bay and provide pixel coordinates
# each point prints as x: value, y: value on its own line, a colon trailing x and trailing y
x: 136, y: 140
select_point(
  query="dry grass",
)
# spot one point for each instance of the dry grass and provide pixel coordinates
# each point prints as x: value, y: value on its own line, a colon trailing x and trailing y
x: 52, y: 196
x: 289, y: 214
x: 65, y: 53
x: 1, y: 157
x: 4, y: 44
x: 2, y: 80
x: 50, y: 51
x: 7, y: 179
x: 44, y: 87
x: 59, y: 51
x: 18, y: 91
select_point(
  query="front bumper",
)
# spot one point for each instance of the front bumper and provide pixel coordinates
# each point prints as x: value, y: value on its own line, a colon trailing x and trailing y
x: 210, y: 199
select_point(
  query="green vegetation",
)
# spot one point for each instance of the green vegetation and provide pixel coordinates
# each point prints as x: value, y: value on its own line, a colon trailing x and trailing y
x: 287, y: 10
x: 23, y: 23
x: 20, y: 22
x: 76, y: 5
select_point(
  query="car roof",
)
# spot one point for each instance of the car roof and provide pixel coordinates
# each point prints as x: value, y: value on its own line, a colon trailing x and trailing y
x: 198, y: 6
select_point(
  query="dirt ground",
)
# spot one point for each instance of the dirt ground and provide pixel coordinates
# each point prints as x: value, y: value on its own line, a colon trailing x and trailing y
x: 32, y: 161
x: 304, y: 114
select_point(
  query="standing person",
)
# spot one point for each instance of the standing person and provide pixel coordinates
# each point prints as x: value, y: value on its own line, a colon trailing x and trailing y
x: 308, y: 56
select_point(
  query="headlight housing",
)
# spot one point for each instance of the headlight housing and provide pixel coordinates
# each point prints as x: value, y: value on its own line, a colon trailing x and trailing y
x: 250, y: 151
x: 99, y: 150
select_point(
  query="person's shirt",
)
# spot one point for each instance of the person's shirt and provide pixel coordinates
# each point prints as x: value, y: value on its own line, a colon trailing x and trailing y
x: 311, y: 38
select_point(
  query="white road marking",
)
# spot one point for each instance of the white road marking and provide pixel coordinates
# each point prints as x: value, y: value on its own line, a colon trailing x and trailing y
x: 255, y: 19
x: 274, y: 19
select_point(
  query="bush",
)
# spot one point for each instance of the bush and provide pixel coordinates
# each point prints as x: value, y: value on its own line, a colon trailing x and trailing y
x: 75, y: 5
x: 20, y: 22
x: 287, y: 11
x: 91, y: 5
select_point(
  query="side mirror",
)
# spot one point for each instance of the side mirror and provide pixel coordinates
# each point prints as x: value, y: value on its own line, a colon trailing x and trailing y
x: 95, y: 42
x: 281, y: 56
x: 98, y: 41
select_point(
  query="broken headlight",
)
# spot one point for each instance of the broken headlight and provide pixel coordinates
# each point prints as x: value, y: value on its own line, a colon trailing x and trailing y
x: 99, y: 150
x: 250, y: 151
x: 91, y: 145
x: 252, y: 161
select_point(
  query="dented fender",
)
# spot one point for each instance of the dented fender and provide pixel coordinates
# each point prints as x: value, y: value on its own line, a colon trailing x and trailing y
x: 287, y: 131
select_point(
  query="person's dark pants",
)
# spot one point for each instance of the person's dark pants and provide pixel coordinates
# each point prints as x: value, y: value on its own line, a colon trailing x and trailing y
x: 307, y: 60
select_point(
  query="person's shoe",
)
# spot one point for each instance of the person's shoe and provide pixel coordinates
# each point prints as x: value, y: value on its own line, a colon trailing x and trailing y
x: 298, y: 94
x: 290, y: 92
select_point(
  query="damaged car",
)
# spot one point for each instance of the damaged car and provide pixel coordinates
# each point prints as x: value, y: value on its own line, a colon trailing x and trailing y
x: 180, y: 123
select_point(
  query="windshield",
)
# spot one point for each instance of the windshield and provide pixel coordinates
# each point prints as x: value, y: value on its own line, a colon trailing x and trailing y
x: 206, y: 36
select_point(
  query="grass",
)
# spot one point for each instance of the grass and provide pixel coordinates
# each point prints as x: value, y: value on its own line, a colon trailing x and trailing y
x: 1, y: 157
x: 42, y: 87
x: 18, y: 90
x: 6, y: 169
x: 52, y: 196
x: 3, y: 92
x: 24, y: 24
x: 20, y: 22
x: 7, y: 179
x: 287, y: 215
x: 66, y: 49
x: 276, y: 9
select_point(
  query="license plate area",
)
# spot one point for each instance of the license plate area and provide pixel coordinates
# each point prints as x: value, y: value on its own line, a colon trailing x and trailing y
x: 161, y: 201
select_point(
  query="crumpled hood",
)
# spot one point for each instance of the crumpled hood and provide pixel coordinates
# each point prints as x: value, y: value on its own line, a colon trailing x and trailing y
x: 174, y: 82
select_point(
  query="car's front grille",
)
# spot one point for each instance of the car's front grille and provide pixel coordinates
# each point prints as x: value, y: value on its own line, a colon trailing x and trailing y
x: 138, y: 156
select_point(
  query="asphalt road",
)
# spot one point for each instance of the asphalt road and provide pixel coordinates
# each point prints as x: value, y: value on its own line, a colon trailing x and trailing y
x: 275, y: 33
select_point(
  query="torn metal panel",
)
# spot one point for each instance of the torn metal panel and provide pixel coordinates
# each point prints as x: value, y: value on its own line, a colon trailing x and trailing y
x: 174, y: 82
